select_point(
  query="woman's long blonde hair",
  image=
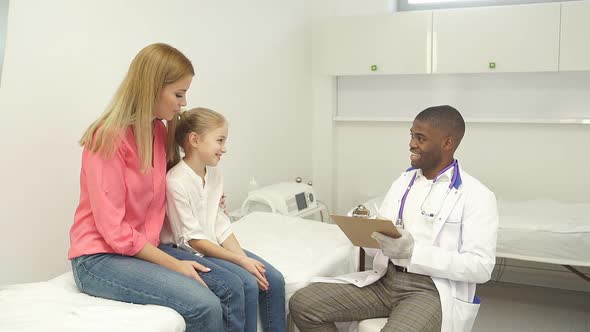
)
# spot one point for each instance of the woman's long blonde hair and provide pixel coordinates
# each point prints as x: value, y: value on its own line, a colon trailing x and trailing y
x: 134, y: 103
x: 198, y: 120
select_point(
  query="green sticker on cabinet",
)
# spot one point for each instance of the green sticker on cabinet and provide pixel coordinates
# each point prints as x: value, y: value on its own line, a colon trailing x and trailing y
x: 492, y: 65
x: 374, y: 68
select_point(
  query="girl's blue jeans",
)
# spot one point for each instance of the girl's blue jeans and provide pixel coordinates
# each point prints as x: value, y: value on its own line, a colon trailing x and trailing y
x: 271, y: 302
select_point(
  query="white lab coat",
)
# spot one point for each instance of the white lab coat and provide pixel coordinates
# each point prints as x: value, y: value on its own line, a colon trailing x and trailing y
x: 461, y: 255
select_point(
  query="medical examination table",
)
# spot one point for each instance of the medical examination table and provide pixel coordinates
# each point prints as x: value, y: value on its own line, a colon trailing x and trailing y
x: 301, y: 249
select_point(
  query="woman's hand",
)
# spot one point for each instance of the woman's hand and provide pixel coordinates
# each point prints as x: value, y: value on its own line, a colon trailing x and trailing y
x: 222, y: 203
x: 154, y: 255
x: 190, y: 268
x: 257, y: 269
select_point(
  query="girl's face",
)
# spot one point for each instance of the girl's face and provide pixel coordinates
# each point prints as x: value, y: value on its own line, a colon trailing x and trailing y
x: 172, y: 98
x: 211, y: 146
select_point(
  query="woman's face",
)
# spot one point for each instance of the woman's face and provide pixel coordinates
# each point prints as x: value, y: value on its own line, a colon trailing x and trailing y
x: 172, y: 98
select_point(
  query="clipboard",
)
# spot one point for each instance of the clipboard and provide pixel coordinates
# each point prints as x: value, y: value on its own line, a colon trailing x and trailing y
x: 359, y: 230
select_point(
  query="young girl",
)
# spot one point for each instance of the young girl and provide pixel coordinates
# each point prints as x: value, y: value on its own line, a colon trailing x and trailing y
x: 115, y: 251
x: 196, y: 224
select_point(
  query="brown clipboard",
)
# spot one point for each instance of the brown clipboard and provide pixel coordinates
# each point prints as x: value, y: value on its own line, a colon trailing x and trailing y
x: 359, y: 230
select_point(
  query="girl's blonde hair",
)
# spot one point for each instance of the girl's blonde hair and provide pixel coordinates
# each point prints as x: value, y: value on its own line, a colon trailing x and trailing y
x: 134, y: 103
x: 197, y: 120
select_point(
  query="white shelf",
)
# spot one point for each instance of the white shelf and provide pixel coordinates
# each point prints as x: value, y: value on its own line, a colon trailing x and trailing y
x: 469, y: 120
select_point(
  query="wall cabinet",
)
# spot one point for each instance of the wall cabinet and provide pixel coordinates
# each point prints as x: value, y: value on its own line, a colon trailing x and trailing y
x: 574, y: 51
x: 522, y: 38
x: 547, y: 37
x: 368, y: 45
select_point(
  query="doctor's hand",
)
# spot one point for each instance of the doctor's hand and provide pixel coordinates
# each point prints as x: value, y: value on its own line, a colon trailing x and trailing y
x: 257, y: 269
x: 399, y: 248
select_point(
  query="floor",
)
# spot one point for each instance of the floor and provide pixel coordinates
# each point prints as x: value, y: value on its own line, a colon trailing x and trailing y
x: 516, y: 307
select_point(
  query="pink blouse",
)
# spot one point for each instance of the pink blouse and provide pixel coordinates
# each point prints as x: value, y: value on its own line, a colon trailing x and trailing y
x: 121, y: 208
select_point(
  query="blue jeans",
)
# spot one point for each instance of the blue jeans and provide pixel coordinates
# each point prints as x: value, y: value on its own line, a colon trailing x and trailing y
x: 224, y: 284
x: 270, y: 302
x: 129, y: 279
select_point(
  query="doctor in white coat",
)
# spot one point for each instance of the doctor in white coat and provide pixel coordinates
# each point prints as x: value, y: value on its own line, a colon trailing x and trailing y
x: 426, y: 279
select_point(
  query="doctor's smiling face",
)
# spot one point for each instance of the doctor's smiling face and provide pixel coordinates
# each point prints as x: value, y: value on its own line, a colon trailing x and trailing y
x: 435, y: 135
x: 427, y: 145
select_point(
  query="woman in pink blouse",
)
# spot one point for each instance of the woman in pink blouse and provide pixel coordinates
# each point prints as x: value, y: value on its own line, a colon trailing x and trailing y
x: 115, y: 250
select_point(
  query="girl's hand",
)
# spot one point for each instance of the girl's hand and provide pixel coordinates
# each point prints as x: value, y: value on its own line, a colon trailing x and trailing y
x: 257, y: 269
x: 190, y: 268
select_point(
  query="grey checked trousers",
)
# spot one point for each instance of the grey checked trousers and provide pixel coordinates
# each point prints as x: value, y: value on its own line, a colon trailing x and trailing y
x: 410, y: 301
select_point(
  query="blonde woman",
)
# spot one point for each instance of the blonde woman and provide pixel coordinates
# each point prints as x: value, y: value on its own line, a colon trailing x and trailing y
x: 115, y: 252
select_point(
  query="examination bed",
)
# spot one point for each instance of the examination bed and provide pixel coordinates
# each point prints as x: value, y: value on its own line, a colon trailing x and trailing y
x: 301, y: 249
x: 545, y: 231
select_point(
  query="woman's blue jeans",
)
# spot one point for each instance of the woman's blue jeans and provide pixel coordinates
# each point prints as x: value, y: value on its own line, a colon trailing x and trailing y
x: 270, y: 302
x: 133, y: 280
x: 228, y: 304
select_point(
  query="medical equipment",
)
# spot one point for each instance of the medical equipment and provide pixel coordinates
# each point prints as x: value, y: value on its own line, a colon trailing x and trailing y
x: 287, y: 198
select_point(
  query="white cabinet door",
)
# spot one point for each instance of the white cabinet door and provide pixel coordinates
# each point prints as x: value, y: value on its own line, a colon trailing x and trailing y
x: 522, y: 38
x: 363, y: 45
x: 574, y: 49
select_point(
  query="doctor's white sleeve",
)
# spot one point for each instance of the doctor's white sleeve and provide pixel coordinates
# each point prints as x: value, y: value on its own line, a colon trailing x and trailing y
x: 476, y: 257
x: 184, y: 224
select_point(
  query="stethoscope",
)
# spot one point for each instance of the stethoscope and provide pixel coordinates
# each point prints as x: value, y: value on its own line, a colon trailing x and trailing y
x: 455, y: 183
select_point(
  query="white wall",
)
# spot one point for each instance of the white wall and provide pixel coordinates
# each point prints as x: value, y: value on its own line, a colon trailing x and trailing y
x: 365, y: 7
x: 3, y: 16
x: 65, y: 58
x: 489, y: 97
x: 324, y: 93
x: 517, y: 161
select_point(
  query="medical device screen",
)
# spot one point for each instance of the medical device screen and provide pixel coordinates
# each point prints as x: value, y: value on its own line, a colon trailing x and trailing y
x: 301, y: 203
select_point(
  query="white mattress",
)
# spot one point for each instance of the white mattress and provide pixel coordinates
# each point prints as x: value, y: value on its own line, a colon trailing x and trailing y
x: 299, y: 248
x: 545, y: 231
x: 58, y: 305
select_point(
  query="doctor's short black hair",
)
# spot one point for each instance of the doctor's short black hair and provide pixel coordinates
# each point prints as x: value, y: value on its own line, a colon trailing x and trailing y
x: 445, y: 117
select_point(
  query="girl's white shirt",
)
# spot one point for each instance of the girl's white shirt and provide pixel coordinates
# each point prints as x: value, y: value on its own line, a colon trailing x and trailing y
x: 192, y: 210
